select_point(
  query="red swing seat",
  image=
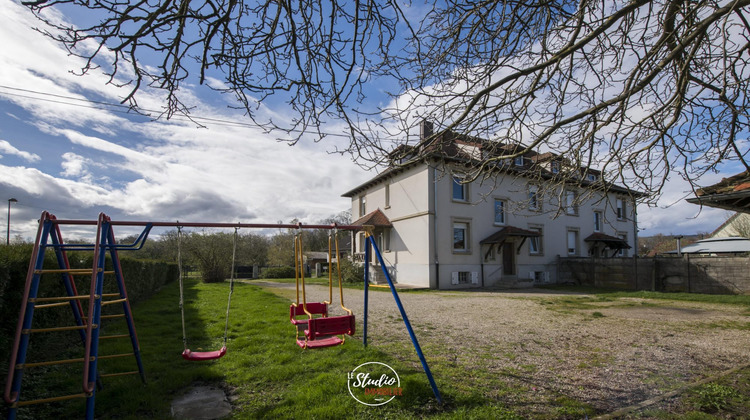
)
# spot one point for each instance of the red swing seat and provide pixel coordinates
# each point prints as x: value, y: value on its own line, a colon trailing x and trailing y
x: 315, y: 308
x: 324, y: 332
x: 196, y: 356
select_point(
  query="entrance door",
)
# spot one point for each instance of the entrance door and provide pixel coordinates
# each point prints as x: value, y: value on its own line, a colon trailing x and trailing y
x: 509, y: 259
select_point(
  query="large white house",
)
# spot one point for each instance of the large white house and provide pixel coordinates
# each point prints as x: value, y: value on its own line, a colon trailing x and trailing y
x: 436, y: 230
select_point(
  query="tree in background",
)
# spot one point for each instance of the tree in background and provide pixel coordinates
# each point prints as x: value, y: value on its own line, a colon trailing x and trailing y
x: 640, y: 89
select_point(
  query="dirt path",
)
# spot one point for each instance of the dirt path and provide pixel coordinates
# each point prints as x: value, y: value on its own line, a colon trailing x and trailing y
x: 607, y: 353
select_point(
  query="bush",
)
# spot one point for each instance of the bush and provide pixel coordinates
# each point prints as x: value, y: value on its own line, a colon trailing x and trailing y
x: 278, y: 273
x: 352, y: 273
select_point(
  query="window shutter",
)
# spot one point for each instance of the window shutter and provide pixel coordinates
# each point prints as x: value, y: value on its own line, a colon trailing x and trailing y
x: 532, y: 276
x: 454, y: 277
x: 474, y: 277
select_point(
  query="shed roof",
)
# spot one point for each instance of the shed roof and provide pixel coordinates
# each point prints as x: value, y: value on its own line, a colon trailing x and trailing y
x: 375, y: 218
x: 612, y: 242
x: 717, y: 246
x: 506, y: 232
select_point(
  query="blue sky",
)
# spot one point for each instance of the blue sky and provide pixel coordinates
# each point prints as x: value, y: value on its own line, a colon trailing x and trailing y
x: 76, y: 158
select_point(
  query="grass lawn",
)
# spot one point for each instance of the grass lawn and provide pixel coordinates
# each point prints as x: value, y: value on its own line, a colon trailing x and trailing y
x: 266, y: 373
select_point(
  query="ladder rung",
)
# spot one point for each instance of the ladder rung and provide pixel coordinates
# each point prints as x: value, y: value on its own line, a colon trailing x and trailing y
x: 51, y: 329
x: 59, y: 298
x: 51, y: 305
x: 110, y: 302
x: 114, y: 356
x: 52, y: 362
x: 112, y: 316
x: 110, y: 294
x: 103, y: 337
x: 74, y: 271
x: 48, y: 400
x: 109, y: 375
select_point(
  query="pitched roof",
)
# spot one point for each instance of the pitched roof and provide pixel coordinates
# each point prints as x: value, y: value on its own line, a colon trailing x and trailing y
x: 731, y: 193
x: 376, y: 218
x: 456, y: 147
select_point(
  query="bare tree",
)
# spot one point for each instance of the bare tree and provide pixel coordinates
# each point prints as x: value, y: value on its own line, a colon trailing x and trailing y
x: 640, y: 90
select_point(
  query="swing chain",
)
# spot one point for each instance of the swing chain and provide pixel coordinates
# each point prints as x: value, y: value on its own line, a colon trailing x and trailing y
x: 179, y: 269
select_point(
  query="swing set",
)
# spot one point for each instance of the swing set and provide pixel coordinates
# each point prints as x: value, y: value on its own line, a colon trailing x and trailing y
x: 315, y: 328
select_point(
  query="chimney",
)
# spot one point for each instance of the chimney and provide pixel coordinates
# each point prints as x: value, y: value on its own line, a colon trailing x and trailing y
x: 425, y: 129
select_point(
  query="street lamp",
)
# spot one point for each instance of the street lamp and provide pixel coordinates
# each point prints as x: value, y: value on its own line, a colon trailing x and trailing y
x: 7, y: 238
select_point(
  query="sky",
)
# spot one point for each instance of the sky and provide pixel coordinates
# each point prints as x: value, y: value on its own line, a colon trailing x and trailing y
x: 65, y: 150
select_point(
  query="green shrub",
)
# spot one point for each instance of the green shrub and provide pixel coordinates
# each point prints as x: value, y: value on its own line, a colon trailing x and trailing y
x: 278, y: 273
x: 352, y: 273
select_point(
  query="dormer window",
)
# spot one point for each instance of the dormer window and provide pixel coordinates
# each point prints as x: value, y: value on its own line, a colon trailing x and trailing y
x: 518, y: 161
x: 591, y: 177
x: 555, y: 167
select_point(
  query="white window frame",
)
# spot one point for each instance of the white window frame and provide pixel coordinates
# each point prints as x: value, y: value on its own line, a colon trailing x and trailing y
x: 571, y: 207
x: 533, y: 196
x: 456, y: 182
x: 362, y: 205
x: 464, y: 225
x: 503, y: 214
x: 620, y: 209
x: 387, y: 195
x: 536, y: 242
x: 575, y: 239
x: 597, y: 221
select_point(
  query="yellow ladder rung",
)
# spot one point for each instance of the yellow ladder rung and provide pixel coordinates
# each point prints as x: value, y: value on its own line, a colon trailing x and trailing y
x: 48, y: 400
x: 51, y: 305
x: 110, y: 302
x: 52, y: 363
x: 73, y: 271
x: 104, y: 337
x: 114, y: 356
x: 110, y: 294
x: 51, y: 329
x: 109, y: 375
x: 113, y: 316
x: 59, y: 298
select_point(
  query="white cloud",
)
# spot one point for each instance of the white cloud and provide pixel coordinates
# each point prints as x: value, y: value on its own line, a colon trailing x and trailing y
x: 8, y: 148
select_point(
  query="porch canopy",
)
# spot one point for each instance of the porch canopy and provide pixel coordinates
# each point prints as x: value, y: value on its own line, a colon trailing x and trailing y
x: 611, y: 242
x: 508, y: 232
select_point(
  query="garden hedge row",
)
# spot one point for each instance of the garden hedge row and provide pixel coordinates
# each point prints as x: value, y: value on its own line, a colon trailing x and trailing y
x: 142, y: 279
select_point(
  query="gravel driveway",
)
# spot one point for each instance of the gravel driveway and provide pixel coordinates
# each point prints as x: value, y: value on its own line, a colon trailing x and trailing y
x: 605, y: 352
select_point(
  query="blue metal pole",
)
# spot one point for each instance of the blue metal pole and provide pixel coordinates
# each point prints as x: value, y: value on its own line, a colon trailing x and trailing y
x: 367, y: 283
x: 406, y: 320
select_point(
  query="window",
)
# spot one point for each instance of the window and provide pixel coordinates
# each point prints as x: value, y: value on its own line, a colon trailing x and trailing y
x: 555, y: 167
x: 597, y: 221
x: 620, y: 209
x: 460, y: 237
x: 572, y: 242
x: 362, y: 205
x: 499, y: 212
x: 464, y: 277
x: 533, y: 197
x: 623, y: 252
x: 535, y: 243
x: 591, y: 177
x: 387, y: 195
x: 460, y: 190
x: 570, y: 203
x: 383, y: 240
x: 518, y: 161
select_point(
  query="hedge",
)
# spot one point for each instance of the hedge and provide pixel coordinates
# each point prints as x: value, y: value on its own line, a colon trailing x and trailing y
x: 142, y: 279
